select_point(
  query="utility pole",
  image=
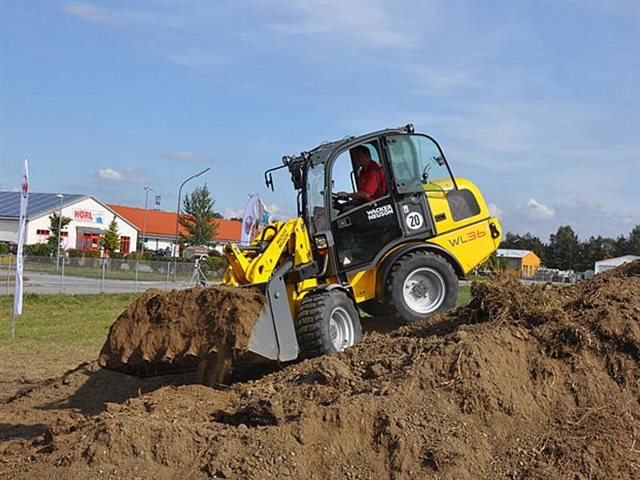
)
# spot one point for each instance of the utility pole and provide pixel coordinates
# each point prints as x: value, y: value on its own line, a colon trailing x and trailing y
x: 60, y: 196
x: 144, y: 227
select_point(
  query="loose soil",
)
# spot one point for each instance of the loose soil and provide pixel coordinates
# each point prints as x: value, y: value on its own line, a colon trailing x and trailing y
x: 162, y: 330
x: 523, y: 382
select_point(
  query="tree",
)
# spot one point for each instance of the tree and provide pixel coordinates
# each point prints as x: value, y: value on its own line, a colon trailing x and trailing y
x: 54, y: 226
x: 525, y: 242
x: 563, y: 250
x: 111, y: 239
x: 633, y: 242
x: 198, y: 217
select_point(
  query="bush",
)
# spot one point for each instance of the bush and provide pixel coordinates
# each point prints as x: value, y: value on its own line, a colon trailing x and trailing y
x: 38, y: 250
x: 139, y: 256
x: 73, y: 253
x: 216, y: 265
x: 4, y: 248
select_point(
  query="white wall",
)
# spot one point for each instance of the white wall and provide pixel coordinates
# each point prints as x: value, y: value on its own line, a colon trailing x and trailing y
x: 85, y: 213
x: 155, y: 244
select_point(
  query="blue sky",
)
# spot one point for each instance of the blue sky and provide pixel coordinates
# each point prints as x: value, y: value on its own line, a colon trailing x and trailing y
x: 537, y: 102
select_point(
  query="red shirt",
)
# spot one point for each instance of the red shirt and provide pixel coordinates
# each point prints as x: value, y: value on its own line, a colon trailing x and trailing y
x: 371, y: 181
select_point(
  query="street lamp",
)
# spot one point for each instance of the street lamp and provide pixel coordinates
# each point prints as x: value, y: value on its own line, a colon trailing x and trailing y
x: 144, y: 227
x: 60, y: 196
x: 175, y: 243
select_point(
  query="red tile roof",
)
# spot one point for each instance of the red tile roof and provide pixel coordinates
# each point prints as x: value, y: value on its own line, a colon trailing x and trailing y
x: 163, y: 224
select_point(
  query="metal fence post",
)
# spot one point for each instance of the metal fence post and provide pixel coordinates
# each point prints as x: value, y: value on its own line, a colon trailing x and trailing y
x: 168, y: 270
x: 135, y: 282
x: 62, y: 275
x: 9, y: 273
x: 104, y: 270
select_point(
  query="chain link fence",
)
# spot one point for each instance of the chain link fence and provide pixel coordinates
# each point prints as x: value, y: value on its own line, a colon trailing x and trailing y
x: 97, y: 275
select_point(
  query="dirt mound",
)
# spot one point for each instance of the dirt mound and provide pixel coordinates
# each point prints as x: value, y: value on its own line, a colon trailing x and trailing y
x: 523, y: 382
x: 162, y: 328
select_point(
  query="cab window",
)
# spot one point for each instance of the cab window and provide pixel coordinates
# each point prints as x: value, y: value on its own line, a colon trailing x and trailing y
x: 418, y: 164
x: 347, y: 176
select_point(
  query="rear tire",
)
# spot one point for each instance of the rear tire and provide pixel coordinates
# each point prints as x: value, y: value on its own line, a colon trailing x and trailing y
x: 328, y: 322
x: 421, y: 284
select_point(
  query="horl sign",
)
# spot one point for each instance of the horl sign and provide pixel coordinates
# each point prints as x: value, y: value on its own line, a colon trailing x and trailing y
x: 88, y: 216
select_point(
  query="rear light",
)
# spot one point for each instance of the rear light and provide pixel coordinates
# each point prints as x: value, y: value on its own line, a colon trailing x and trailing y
x: 322, y: 244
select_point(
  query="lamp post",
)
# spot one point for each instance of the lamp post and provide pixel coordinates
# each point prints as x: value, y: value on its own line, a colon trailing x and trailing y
x: 144, y: 227
x: 175, y: 243
x: 60, y: 196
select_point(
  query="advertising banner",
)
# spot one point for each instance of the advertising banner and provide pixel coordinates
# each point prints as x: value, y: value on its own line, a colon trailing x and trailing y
x: 24, y: 199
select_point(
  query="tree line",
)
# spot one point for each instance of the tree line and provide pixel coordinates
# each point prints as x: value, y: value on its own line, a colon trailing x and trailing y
x: 566, y: 252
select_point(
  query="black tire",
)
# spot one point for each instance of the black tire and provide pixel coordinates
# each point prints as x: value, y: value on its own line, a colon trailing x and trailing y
x: 328, y: 322
x: 421, y: 284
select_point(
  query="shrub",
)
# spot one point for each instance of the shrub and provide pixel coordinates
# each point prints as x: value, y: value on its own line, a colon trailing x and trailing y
x: 38, y: 250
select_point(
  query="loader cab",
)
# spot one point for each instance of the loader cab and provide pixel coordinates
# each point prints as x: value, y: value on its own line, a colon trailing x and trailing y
x: 411, y: 165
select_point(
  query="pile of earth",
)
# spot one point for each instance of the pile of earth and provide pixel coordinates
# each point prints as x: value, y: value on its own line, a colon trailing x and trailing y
x: 176, y: 329
x: 523, y: 382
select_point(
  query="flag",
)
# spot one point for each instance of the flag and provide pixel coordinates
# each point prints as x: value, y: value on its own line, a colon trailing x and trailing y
x: 255, y: 214
x: 252, y: 213
x: 24, y: 199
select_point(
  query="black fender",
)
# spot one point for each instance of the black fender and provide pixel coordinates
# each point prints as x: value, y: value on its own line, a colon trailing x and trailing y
x: 385, y: 266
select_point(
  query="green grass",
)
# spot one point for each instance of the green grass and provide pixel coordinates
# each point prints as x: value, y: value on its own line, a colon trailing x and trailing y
x: 71, y: 320
x: 464, y: 296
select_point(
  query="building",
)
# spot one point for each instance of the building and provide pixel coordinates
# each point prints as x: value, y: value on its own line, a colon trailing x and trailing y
x: 523, y: 262
x: 90, y: 219
x: 609, y: 263
x: 158, y: 228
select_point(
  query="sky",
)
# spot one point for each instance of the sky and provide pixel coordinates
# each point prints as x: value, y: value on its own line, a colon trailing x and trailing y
x: 536, y: 102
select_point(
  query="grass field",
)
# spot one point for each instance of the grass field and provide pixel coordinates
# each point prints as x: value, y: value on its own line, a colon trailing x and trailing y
x: 78, y: 320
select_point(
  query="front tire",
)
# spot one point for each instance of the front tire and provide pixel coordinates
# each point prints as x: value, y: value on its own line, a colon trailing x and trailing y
x: 328, y: 322
x: 419, y: 285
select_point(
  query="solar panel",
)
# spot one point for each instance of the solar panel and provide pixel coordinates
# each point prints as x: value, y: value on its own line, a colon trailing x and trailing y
x: 38, y: 203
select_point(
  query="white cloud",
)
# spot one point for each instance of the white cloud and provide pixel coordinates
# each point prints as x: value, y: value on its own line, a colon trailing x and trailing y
x: 110, y: 174
x: 184, y: 155
x: 233, y: 212
x: 128, y: 175
x: 276, y: 212
x: 367, y: 24
x: 495, y: 210
x: 87, y: 12
x: 539, y: 211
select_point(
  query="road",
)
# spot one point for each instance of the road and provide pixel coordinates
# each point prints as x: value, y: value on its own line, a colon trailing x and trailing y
x: 47, y: 283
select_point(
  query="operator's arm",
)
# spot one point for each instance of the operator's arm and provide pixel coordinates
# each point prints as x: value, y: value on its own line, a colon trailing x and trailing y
x: 360, y: 196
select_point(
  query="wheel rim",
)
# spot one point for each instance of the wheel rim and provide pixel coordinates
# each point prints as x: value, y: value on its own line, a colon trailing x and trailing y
x: 424, y: 290
x: 341, y: 329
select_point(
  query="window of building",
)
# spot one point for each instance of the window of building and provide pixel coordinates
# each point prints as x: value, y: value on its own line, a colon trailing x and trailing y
x: 125, y: 244
x: 43, y: 235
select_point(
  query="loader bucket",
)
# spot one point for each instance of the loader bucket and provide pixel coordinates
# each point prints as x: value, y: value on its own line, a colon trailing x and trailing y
x: 208, y: 329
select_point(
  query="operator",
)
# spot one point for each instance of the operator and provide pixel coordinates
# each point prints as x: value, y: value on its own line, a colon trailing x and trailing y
x: 371, y: 181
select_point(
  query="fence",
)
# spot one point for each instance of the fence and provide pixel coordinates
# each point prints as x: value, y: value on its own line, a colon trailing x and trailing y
x: 96, y: 275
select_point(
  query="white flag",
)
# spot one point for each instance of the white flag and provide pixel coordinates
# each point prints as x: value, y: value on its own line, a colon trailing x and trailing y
x: 249, y: 217
x: 24, y: 199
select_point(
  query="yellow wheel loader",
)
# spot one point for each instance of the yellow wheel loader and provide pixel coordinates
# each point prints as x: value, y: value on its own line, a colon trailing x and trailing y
x: 400, y: 254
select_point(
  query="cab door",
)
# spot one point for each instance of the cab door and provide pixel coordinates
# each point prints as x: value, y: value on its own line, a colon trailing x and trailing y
x: 360, y: 232
x: 417, y: 166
